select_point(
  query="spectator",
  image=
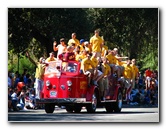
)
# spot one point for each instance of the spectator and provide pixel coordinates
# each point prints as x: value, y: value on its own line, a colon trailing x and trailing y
x: 21, y: 101
x: 17, y: 79
x: 40, y: 67
x: 29, y: 102
x: 24, y: 76
x: 29, y: 81
x: 15, y: 98
x: 10, y: 92
x: 148, y: 74
x: 9, y: 79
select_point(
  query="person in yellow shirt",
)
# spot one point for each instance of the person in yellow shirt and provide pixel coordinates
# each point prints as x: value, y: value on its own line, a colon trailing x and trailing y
x: 87, y: 46
x: 104, y: 50
x: 73, y: 40
x: 107, y: 72
x: 39, y: 75
x: 98, y: 74
x: 51, y: 57
x: 112, y: 61
x: 87, y: 67
x: 96, y: 42
x: 94, y: 60
x: 111, y: 58
x: 119, y: 62
x: 82, y: 45
x: 128, y: 75
x: 81, y: 55
x: 135, y: 72
x: 120, y: 66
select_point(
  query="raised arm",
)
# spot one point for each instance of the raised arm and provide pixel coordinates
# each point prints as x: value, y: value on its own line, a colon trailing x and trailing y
x: 27, y: 53
x: 54, y: 46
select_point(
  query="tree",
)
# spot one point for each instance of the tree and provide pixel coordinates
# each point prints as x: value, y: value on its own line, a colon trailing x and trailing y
x: 133, y: 30
x: 44, y: 25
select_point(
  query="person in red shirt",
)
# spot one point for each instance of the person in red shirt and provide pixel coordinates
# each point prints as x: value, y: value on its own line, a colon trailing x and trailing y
x: 68, y: 56
x: 148, y: 74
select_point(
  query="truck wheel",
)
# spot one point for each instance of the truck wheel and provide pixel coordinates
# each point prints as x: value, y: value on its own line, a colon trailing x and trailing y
x: 118, y: 104
x: 49, y: 108
x: 69, y: 109
x: 91, y: 108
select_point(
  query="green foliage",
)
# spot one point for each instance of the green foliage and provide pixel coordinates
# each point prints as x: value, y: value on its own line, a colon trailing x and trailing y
x: 24, y: 63
x: 134, y: 31
x: 45, y: 24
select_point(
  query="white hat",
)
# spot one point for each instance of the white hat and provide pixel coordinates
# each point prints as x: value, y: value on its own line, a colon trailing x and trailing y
x: 86, y: 42
x: 115, y: 49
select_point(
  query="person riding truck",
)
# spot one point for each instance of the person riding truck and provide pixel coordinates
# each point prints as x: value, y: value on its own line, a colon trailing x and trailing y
x: 87, y: 67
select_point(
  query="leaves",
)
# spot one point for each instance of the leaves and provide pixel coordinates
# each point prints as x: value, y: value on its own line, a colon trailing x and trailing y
x: 133, y: 30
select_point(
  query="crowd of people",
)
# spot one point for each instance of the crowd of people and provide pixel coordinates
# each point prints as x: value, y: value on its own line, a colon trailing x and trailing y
x: 98, y: 63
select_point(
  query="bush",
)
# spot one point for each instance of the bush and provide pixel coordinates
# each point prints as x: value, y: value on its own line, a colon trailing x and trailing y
x: 24, y: 63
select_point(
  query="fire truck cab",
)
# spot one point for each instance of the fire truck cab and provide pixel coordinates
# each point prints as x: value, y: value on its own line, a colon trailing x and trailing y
x: 65, y: 85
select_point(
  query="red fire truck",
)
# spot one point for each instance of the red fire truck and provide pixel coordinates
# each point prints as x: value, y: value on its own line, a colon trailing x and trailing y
x: 68, y: 87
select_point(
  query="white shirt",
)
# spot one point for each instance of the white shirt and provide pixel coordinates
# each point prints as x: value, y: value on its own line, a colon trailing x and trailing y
x: 61, y: 49
x: 14, y: 96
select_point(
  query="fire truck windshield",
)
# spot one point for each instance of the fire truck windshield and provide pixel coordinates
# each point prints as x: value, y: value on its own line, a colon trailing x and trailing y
x: 53, y: 67
x: 70, y: 67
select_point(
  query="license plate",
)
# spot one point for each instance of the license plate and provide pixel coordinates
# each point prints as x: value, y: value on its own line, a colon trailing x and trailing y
x: 53, y: 93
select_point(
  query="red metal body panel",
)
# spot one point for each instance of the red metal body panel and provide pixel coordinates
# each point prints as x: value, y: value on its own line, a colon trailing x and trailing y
x: 60, y: 84
x: 58, y: 87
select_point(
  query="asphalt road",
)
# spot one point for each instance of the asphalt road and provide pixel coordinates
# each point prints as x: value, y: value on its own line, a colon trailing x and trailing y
x: 128, y: 114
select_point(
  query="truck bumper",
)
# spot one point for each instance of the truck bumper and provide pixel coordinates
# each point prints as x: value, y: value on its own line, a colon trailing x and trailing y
x: 62, y: 100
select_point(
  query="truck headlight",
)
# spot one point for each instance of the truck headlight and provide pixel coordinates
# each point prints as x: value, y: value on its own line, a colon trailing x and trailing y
x: 69, y: 83
x: 48, y: 83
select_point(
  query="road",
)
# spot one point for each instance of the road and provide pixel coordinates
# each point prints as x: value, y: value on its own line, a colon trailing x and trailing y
x: 136, y: 114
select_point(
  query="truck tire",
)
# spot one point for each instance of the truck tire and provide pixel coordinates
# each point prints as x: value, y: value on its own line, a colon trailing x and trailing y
x: 91, y: 108
x: 118, y: 104
x: 49, y: 107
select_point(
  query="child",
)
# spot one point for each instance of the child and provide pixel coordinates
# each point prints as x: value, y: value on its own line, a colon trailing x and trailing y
x: 14, y: 99
x: 29, y: 102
